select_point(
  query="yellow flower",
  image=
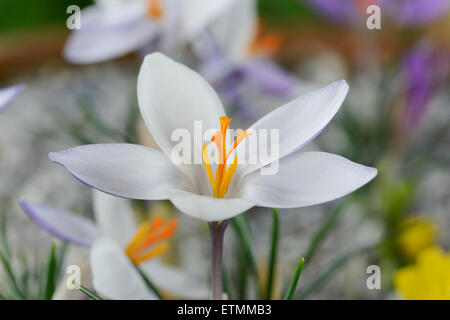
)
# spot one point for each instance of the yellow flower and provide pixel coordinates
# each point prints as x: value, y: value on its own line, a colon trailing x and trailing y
x: 419, y: 233
x: 429, y: 279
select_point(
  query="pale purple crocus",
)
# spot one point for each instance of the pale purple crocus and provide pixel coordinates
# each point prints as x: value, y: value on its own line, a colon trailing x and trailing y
x: 8, y: 94
x: 113, y: 273
x: 172, y: 97
x: 114, y: 28
x: 227, y: 62
x: 402, y: 12
x: 424, y: 68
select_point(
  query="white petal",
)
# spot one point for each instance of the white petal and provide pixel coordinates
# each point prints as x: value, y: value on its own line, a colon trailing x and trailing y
x: 235, y: 30
x: 298, y: 122
x: 114, y: 217
x: 175, y: 281
x: 124, y: 170
x: 306, y: 178
x: 198, y: 14
x: 108, y: 33
x: 208, y: 208
x: 172, y: 97
x: 114, y: 276
x: 62, y: 224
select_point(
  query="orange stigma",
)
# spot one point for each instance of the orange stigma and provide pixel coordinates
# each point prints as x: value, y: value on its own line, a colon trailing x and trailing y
x: 222, y: 180
x: 149, y: 240
x: 155, y: 9
x: 265, y: 43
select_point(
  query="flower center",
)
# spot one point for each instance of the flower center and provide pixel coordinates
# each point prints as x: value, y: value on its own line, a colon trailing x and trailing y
x: 154, y: 9
x: 149, y: 240
x: 222, y: 180
x: 265, y: 43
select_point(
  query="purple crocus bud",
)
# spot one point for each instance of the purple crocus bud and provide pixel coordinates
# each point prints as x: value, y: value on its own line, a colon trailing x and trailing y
x: 403, y: 12
x: 424, y: 68
x: 416, y: 12
x: 343, y: 12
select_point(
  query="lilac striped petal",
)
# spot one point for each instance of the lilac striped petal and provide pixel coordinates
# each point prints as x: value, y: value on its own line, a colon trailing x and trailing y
x: 62, y: 224
x: 8, y: 94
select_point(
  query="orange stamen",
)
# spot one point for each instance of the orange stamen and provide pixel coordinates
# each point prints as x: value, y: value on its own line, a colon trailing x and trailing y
x: 267, y: 43
x: 139, y: 248
x: 222, y: 180
x: 155, y: 9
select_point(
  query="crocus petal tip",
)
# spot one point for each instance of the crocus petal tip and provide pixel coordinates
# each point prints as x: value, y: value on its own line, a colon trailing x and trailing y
x: 155, y: 57
x: 55, y: 157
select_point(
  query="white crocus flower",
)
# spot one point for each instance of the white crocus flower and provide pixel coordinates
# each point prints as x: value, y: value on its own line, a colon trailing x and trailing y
x: 172, y: 96
x: 111, y: 29
x: 117, y: 244
x: 8, y: 94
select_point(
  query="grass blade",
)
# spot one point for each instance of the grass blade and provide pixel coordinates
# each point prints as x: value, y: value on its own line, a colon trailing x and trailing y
x: 88, y: 292
x: 325, y: 229
x: 11, y: 277
x: 335, y: 267
x: 243, y: 232
x: 226, y: 284
x: 149, y: 284
x: 51, y: 273
x: 3, y: 235
x: 273, y: 253
x: 242, y: 275
x: 295, y: 279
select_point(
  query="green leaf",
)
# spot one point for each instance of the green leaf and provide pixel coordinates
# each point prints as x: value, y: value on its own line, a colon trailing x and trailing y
x: 339, y: 263
x: 4, y: 237
x: 51, y: 273
x: 87, y: 292
x: 226, y: 284
x: 149, y: 284
x: 243, y: 232
x: 60, y: 257
x: 295, y: 279
x: 242, y: 275
x: 273, y: 253
x: 325, y: 229
x: 10, y: 275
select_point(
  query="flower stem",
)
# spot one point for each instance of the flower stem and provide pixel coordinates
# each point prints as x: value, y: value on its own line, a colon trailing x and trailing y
x: 217, y: 229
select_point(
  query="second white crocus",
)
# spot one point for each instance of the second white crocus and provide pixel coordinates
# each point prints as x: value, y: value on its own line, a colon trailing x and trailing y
x: 114, y: 241
x: 113, y: 28
x: 172, y: 96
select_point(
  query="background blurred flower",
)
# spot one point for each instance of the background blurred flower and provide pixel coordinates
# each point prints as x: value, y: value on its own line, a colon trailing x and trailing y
x: 417, y: 234
x: 116, y: 248
x: 404, y: 12
x: 234, y: 54
x: 112, y: 29
x: 425, y: 67
x: 8, y: 94
x: 428, y: 279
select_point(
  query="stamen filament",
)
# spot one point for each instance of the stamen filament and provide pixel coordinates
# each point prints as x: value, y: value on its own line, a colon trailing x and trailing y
x: 222, y: 180
x: 160, y: 249
x: 148, y: 235
x: 155, y: 9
